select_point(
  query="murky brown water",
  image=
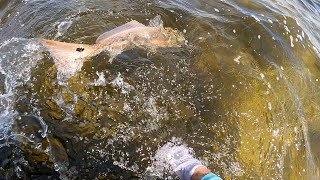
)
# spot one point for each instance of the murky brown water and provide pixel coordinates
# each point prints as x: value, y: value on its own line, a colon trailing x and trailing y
x: 243, y: 93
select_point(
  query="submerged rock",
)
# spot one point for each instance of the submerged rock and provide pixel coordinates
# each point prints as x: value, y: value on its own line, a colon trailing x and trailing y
x: 67, y: 96
x: 56, y: 115
x: 55, y: 111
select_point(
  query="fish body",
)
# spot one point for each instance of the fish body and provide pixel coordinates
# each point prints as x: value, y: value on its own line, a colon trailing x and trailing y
x: 69, y: 57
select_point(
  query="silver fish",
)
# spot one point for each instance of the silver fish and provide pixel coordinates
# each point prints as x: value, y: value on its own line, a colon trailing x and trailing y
x: 69, y: 57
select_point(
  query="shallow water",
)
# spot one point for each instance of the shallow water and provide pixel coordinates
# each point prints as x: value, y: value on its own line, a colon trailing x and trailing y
x: 243, y: 92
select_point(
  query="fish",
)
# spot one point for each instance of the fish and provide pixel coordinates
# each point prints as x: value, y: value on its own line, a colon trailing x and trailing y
x: 69, y: 57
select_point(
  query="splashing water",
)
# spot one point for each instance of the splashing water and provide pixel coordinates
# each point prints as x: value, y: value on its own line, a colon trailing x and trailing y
x: 242, y: 93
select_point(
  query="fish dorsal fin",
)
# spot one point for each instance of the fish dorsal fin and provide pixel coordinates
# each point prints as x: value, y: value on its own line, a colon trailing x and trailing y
x: 130, y: 25
x: 156, y: 22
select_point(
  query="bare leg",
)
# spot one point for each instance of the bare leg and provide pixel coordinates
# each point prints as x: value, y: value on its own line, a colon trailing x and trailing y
x: 200, y: 172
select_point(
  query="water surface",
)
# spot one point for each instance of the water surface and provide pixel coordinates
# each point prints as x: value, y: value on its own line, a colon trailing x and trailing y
x: 243, y: 92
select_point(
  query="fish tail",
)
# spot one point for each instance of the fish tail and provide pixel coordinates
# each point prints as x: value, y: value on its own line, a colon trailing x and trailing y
x: 69, y: 57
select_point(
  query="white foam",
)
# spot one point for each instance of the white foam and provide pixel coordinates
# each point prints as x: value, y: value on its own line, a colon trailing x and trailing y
x: 287, y: 29
x: 255, y: 17
x: 5, y: 123
x: 276, y: 133
x: 237, y: 59
x: 299, y: 37
x: 101, y: 81
x: 127, y: 107
x: 291, y: 40
x: 63, y: 27
x: 119, y: 82
x: 236, y: 169
x: 269, y: 106
x: 151, y: 107
x: 18, y: 65
x: 160, y: 163
x: 18, y: 57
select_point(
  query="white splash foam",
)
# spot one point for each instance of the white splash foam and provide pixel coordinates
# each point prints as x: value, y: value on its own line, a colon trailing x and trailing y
x: 5, y: 124
x: 276, y: 133
x: 151, y: 108
x: 269, y: 106
x: 237, y: 59
x: 127, y: 107
x: 236, y: 169
x: 299, y: 37
x: 63, y: 27
x: 291, y: 40
x: 287, y: 29
x: 18, y: 57
x: 255, y: 17
x: 101, y: 81
x: 160, y: 163
x: 125, y: 87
